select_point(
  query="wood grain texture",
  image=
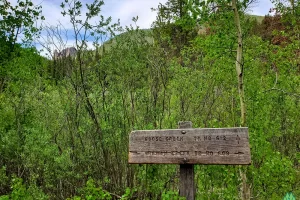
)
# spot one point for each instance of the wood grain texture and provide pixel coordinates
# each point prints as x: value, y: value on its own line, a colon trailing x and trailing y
x: 190, y: 146
x: 187, y: 176
x: 186, y: 183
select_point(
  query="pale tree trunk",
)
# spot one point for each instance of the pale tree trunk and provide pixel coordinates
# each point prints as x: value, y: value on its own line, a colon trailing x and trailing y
x: 245, y: 188
x: 238, y: 63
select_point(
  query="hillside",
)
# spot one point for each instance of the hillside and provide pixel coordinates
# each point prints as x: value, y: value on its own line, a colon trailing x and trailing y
x: 148, y: 33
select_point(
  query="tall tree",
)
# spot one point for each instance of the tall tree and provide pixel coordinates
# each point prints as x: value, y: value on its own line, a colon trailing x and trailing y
x: 175, y: 25
x: 245, y: 189
x: 239, y: 62
x: 17, y: 25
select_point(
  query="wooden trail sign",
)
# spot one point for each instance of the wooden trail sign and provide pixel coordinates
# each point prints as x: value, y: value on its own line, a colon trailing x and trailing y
x: 187, y: 146
x: 190, y: 146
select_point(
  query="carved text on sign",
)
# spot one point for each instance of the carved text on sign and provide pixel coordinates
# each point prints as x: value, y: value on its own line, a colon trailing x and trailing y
x: 181, y: 138
x: 196, y: 153
x: 167, y: 138
x: 194, y: 146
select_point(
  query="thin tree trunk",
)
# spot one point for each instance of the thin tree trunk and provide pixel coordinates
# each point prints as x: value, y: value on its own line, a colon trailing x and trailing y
x: 238, y: 63
x: 2, y: 82
x: 245, y: 188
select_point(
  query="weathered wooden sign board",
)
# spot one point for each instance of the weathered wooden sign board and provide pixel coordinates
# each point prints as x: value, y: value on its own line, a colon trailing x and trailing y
x: 190, y: 146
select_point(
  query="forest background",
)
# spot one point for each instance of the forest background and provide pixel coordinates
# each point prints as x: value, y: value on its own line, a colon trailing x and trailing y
x: 64, y: 121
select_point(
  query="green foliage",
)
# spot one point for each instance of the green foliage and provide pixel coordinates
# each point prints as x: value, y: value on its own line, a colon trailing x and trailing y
x: 175, y: 25
x: 65, y: 134
x: 4, y: 197
x: 128, y: 194
x: 91, y: 192
x: 17, y: 25
x: 171, y: 195
x: 4, y: 179
x: 19, y: 191
x: 19, y: 20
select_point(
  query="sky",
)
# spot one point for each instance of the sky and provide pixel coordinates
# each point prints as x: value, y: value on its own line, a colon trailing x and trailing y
x: 124, y: 10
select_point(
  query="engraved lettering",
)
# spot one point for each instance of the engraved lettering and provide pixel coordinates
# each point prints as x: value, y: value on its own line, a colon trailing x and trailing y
x: 149, y: 139
x: 221, y: 137
x: 172, y: 138
x: 223, y: 153
x: 180, y: 153
x: 154, y: 153
x: 197, y: 138
x: 209, y: 153
x: 207, y: 137
x: 198, y: 153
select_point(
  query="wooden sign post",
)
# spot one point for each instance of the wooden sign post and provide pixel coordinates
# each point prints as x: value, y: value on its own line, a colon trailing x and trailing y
x: 186, y: 146
x: 186, y: 171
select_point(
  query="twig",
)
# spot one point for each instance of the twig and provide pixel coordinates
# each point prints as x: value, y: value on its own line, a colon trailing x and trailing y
x: 281, y: 90
x: 113, y: 194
